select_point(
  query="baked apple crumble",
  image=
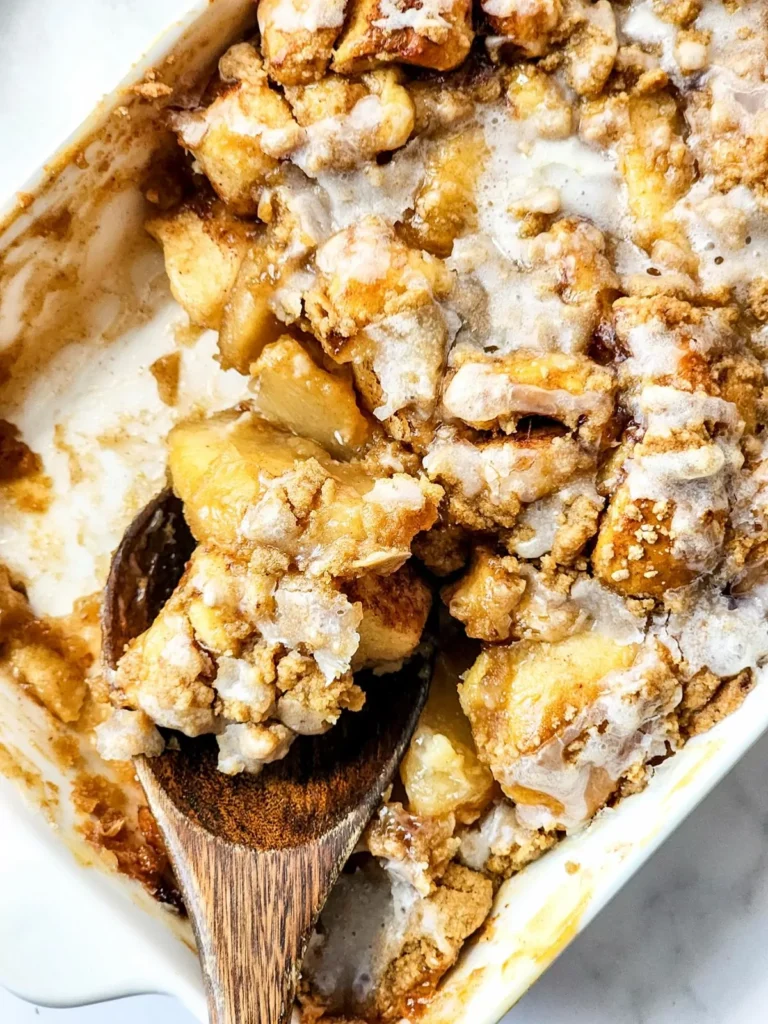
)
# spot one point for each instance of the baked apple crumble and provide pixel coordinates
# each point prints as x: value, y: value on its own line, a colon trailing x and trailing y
x: 494, y: 275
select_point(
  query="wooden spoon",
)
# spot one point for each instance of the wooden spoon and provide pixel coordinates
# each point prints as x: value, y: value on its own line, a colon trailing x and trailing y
x: 255, y: 856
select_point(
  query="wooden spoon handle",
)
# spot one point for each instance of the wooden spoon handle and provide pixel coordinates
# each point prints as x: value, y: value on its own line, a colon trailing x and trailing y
x: 252, y: 912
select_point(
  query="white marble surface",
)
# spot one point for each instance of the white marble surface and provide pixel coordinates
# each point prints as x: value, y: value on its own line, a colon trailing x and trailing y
x: 686, y: 941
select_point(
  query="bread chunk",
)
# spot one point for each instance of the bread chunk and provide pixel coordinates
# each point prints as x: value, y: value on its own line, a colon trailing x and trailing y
x: 297, y: 37
x: 374, y: 303
x: 485, y: 392
x: 433, y: 34
x: 671, y: 342
x: 528, y: 26
x: 592, y: 46
x: 240, y: 137
x: 634, y: 551
x: 365, y: 273
x: 347, y: 122
x: 560, y: 724
x: 539, y: 99
x: 665, y: 523
x: 657, y: 168
x: 487, y: 482
x: 445, y: 205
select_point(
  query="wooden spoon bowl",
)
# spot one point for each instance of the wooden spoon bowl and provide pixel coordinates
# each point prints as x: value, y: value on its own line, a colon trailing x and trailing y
x: 255, y: 856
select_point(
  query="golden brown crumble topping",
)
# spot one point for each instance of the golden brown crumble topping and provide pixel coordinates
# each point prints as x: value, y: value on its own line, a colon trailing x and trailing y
x: 493, y: 272
x: 559, y: 410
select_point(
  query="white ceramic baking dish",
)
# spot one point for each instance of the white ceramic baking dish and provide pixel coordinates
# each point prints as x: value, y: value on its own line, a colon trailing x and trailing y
x: 84, y: 310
